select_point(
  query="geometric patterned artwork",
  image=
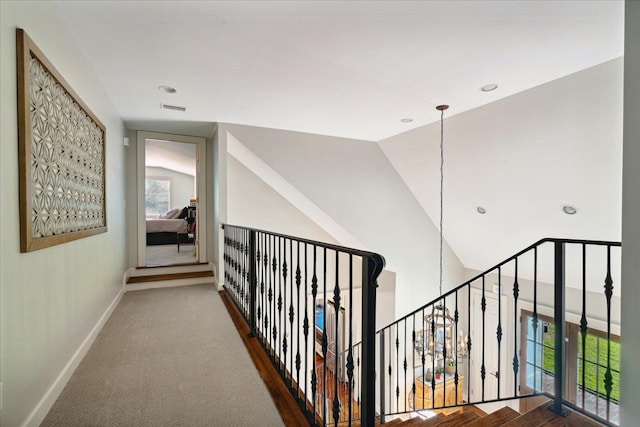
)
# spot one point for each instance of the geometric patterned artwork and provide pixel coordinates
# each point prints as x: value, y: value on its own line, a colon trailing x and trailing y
x: 62, y: 156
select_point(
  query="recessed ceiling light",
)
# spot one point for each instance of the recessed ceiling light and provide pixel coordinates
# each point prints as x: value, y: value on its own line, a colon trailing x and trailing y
x: 481, y: 210
x: 406, y: 120
x: 569, y: 210
x: 489, y: 87
x: 167, y: 89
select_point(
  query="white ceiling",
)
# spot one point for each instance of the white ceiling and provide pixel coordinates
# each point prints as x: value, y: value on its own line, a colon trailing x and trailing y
x: 351, y: 69
x: 177, y: 156
x: 354, y: 69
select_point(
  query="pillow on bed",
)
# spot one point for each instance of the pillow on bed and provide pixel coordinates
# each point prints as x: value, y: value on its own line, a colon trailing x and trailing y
x: 172, y: 213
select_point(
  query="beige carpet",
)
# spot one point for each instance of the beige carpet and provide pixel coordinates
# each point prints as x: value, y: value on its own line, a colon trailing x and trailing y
x: 168, y: 254
x: 166, y: 357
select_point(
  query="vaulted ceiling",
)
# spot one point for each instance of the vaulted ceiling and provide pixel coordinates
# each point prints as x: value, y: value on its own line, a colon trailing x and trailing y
x: 354, y: 69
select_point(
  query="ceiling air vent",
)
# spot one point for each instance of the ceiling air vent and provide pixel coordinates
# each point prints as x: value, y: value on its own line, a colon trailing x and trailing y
x: 173, y: 107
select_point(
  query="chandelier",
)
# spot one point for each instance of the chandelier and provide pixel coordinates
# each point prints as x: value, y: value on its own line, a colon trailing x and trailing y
x: 437, y: 335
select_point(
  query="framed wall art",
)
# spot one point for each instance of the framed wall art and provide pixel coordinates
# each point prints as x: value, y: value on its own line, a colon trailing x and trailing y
x: 61, y: 151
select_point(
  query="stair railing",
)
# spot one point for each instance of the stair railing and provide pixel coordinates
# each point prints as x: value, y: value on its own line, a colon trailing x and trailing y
x: 284, y: 286
x: 504, y: 335
x: 541, y: 324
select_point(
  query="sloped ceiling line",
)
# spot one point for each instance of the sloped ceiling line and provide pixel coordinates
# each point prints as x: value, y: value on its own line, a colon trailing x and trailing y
x: 272, y: 178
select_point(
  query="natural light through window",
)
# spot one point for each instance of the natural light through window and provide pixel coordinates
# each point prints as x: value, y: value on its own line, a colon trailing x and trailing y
x: 157, y: 196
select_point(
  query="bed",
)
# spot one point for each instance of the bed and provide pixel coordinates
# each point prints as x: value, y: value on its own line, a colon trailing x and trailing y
x: 164, y: 231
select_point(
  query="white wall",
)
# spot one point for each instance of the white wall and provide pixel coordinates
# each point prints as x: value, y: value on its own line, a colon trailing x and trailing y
x: 521, y: 158
x: 252, y: 203
x: 630, y: 386
x: 51, y: 298
x: 182, y: 185
x: 354, y: 183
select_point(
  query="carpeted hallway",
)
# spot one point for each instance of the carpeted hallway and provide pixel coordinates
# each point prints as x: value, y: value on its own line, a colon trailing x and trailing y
x: 166, y: 357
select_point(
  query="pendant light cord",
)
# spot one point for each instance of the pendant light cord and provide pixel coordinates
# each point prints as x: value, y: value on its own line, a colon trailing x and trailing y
x: 441, y: 188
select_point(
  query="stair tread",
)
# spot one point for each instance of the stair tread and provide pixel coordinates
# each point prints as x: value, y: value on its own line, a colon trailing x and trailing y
x: 433, y: 421
x: 459, y: 419
x: 537, y: 417
x: 394, y: 422
x: 412, y: 422
x: 496, y: 418
x: 172, y: 276
x: 474, y: 408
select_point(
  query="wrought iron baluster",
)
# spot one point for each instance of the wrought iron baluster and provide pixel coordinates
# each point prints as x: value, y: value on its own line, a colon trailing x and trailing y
x: 483, y: 308
x: 258, y: 262
x: 608, y: 292
x: 390, y: 370
x: 274, y: 275
x: 382, y: 377
x: 325, y: 338
x: 305, y: 324
x: 423, y: 346
x: 337, y: 349
x: 444, y: 352
x: 298, y: 282
x: 263, y: 288
x: 404, y: 363
x: 499, y: 329
x: 456, y: 318
x: 413, y: 348
x: 253, y: 284
x: 283, y: 307
x: 468, y: 341
x: 314, y: 375
x: 583, y: 319
x: 535, y: 320
x: 397, y: 366
x: 350, y: 353
x: 279, y: 305
x: 516, y: 293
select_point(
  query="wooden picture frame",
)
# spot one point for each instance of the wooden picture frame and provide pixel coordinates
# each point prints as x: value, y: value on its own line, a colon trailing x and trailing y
x: 61, y: 153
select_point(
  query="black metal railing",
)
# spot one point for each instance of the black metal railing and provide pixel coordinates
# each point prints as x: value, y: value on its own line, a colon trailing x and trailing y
x: 307, y: 303
x: 496, y: 337
x: 542, y: 324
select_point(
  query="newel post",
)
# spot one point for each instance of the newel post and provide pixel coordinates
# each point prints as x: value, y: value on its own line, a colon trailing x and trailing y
x: 253, y: 283
x: 371, y: 268
x: 560, y: 332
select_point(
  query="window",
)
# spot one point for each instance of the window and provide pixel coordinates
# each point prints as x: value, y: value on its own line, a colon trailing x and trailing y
x: 585, y: 369
x: 540, y: 355
x: 591, y: 392
x: 157, y: 196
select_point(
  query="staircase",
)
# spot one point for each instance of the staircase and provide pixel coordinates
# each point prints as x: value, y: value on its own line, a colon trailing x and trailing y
x: 472, y: 416
x: 277, y: 282
x: 161, y: 277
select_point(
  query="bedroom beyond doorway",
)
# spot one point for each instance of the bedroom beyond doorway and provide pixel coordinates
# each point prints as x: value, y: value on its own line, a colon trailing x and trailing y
x: 169, y: 199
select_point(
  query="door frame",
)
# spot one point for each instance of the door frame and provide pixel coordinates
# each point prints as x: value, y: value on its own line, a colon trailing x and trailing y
x: 201, y: 193
x: 476, y: 384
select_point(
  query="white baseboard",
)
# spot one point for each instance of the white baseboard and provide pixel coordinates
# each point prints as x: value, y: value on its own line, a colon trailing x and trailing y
x: 127, y: 276
x: 42, y: 408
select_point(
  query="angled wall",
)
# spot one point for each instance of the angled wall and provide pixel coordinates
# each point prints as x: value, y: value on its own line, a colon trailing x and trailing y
x: 354, y: 184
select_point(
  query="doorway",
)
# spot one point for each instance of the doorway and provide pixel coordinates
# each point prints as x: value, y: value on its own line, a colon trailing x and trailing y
x: 487, y: 343
x: 171, y: 200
